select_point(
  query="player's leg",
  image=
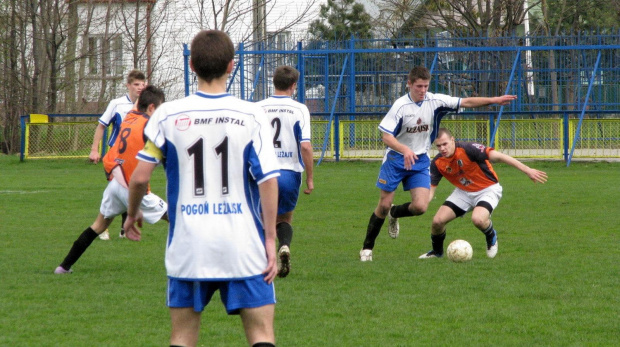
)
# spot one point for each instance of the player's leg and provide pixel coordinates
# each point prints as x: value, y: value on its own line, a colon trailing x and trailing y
x: 254, y: 299
x: 443, y: 216
x: 82, y: 243
x: 122, y: 232
x: 185, y: 326
x: 375, y: 223
x: 289, y: 183
x: 486, y: 201
x: 481, y: 218
x: 284, y: 231
x: 258, y: 325
x: 456, y: 205
x: 417, y: 182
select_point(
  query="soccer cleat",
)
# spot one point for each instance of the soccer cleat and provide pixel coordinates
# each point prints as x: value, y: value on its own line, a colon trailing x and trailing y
x: 393, y: 227
x: 285, y: 261
x: 105, y: 235
x: 430, y: 254
x: 366, y: 255
x: 492, y: 245
x: 121, y: 235
x: 61, y: 271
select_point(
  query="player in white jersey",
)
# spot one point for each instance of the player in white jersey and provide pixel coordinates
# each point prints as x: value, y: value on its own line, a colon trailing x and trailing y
x: 113, y: 116
x: 408, y: 130
x: 290, y: 122
x: 222, y: 193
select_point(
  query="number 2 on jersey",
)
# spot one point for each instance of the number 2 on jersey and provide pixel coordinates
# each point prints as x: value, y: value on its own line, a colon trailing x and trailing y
x: 196, y: 151
x: 277, y: 124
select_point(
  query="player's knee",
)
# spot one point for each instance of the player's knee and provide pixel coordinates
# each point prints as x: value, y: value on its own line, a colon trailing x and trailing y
x: 479, y: 222
x: 418, y: 208
x: 437, y: 223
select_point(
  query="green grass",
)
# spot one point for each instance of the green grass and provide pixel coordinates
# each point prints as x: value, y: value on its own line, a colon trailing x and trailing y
x: 555, y: 280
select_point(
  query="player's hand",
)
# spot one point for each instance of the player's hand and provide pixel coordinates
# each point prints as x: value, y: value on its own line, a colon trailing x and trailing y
x: 272, y: 264
x: 94, y: 156
x: 410, y: 159
x: 506, y: 99
x: 537, y: 176
x: 132, y: 231
x: 310, y: 187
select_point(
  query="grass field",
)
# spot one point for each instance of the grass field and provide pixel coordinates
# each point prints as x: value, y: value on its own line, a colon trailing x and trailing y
x: 555, y: 281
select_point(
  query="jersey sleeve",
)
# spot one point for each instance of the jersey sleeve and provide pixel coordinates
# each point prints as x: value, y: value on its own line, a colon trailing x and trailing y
x: 150, y: 153
x: 476, y: 152
x: 435, y: 174
x: 452, y: 103
x: 305, y: 128
x: 108, y: 114
x: 392, y: 121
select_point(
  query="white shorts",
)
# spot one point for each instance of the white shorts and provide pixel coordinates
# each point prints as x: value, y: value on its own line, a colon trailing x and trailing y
x: 116, y: 198
x: 466, y: 201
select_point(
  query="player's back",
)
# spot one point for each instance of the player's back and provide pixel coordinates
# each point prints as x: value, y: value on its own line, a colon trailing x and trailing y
x: 217, y: 149
x: 130, y: 142
x: 290, y: 123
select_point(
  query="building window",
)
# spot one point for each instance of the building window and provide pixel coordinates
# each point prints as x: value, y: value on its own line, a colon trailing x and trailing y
x: 105, y: 54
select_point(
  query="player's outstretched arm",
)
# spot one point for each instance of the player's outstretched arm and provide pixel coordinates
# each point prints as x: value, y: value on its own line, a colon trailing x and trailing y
x: 477, y: 101
x: 307, y: 157
x: 268, y: 191
x: 533, y: 174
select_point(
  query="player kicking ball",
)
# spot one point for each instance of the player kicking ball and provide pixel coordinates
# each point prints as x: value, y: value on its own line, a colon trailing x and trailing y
x: 468, y: 167
x: 119, y: 164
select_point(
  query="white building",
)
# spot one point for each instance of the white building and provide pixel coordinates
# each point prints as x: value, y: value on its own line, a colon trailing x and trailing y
x: 149, y: 34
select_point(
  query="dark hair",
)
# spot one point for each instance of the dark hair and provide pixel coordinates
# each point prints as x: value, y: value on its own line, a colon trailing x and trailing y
x: 443, y: 131
x: 284, y: 77
x: 211, y: 52
x: 134, y: 75
x: 419, y: 73
x: 150, y: 95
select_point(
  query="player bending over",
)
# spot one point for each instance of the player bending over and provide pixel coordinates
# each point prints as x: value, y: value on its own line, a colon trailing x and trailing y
x: 119, y: 164
x: 468, y: 167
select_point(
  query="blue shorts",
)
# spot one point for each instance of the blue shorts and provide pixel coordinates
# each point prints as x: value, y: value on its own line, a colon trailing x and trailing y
x: 393, y: 172
x: 235, y: 294
x: 289, y: 183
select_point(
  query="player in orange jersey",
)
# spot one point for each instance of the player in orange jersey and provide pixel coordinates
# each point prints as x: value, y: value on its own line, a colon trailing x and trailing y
x: 468, y: 167
x: 119, y: 163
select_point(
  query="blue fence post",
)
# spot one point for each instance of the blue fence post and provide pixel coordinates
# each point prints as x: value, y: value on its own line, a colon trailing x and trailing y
x: 565, y: 132
x: 352, y: 92
x: 241, y: 71
x: 22, y: 122
x: 186, y: 53
x: 583, y: 109
x: 301, y: 67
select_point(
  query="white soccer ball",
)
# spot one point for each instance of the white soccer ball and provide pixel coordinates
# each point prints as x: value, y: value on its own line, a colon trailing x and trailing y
x: 460, y: 251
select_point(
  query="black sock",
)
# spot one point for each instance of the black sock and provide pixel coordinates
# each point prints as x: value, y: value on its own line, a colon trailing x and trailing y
x: 285, y: 234
x: 124, y: 218
x: 398, y: 211
x: 437, y: 241
x: 374, y: 227
x: 488, y: 232
x: 263, y: 344
x: 79, y: 247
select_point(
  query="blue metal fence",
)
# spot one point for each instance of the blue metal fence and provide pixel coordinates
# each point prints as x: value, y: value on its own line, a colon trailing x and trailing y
x: 363, y: 77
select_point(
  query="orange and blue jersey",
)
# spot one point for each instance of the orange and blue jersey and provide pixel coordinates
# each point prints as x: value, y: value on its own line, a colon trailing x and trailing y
x: 468, y: 169
x: 129, y: 142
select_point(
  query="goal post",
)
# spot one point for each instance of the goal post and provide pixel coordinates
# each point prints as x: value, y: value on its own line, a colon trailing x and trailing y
x: 58, y: 135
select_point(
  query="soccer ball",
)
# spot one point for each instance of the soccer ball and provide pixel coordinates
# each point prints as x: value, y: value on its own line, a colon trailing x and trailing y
x: 460, y: 251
